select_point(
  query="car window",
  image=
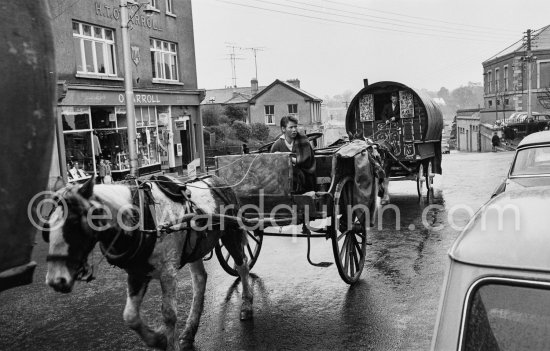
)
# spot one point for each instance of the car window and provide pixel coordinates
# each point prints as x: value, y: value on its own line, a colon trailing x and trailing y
x: 505, y: 317
x: 532, y: 161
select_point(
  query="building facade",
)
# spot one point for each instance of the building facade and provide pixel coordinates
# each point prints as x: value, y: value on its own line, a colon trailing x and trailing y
x: 286, y: 98
x: 91, y: 107
x: 467, y: 130
x: 506, y: 79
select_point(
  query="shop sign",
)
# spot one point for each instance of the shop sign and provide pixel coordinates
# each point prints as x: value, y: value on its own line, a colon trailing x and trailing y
x: 192, y: 168
x: 163, y: 118
x: 141, y: 98
x: 179, y: 149
x: 113, y: 13
x: 181, y: 122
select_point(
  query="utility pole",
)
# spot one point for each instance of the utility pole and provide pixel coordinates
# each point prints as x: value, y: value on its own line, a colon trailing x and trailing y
x: 529, y: 58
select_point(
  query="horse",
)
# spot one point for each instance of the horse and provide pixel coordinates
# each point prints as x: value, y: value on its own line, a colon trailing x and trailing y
x: 88, y: 214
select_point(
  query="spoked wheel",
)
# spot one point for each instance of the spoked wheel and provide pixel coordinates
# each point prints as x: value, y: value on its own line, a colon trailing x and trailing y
x: 349, y: 237
x: 420, y: 178
x: 251, y: 250
x: 429, y: 182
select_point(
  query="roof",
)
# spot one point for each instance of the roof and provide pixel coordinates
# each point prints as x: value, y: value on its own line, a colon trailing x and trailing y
x: 301, y: 92
x: 535, y: 138
x: 228, y: 95
x: 517, y: 240
x: 540, y: 40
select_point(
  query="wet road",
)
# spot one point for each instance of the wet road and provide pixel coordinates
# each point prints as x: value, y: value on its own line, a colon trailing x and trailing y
x: 296, y: 306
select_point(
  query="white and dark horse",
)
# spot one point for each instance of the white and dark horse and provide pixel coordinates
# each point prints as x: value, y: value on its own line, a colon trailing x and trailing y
x: 87, y: 214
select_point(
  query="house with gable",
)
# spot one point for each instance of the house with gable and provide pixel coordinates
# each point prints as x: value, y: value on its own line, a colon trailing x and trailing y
x: 282, y: 98
x: 217, y: 99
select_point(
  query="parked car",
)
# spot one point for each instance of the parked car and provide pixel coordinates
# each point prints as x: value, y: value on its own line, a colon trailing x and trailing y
x: 445, y: 149
x: 496, y: 292
x: 531, y: 164
x: 519, y: 124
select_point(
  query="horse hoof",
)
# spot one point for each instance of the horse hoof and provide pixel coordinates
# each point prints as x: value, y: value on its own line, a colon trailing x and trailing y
x: 246, y: 315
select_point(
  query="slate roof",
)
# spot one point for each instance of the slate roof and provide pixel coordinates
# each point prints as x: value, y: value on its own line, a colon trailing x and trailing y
x: 227, y: 96
x: 540, y: 40
x: 304, y: 93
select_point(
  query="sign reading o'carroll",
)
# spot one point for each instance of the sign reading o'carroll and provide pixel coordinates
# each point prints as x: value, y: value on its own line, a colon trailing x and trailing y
x: 141, y: 98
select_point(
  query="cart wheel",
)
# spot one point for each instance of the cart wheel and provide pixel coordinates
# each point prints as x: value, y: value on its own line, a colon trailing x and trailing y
x: 420, y: 181
x: 349, y: 234
x: 251, y: 250
x: 429, y: 182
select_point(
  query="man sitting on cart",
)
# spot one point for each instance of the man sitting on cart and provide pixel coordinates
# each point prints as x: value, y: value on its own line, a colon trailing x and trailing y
x: 391, y: 112
x: 303, y: 159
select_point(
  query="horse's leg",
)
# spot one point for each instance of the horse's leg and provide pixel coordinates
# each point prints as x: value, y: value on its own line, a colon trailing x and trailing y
x: 137, y: 286
x: 198, y: 276
x: 168, y: 284
x: 236, y: 250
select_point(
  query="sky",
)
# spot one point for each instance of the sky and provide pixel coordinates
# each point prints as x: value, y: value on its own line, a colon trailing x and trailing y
x: 332, y: 45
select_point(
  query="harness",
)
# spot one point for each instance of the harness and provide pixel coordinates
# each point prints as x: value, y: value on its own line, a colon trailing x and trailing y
x: 195, y: 243
x: 142, y: 240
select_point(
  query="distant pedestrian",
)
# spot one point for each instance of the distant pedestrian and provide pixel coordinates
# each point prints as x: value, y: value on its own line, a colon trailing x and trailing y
x: 496, y: 142
x: 246, y: 150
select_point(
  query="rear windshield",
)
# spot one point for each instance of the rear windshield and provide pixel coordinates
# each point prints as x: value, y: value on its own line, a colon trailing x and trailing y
x: 532, y: 161
x: 506, y: 317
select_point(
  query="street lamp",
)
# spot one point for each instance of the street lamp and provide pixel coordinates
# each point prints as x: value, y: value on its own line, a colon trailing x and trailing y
x: 128, y: 84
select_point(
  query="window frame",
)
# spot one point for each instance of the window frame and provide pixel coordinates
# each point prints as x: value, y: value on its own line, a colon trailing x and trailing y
x: 528, y: 283
x: 108, y: 46
x: 269, y: 113
x: 497, y: 80
x: 162, y: 53
x: 538, y: 72
x: 505, y: 76
x: 170, y: 7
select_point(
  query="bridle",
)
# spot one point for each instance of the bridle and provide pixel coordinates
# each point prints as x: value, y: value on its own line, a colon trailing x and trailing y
x: 84, y: 271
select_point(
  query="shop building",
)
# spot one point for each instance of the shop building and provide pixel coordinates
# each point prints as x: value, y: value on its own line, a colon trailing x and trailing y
x: 91, y: 108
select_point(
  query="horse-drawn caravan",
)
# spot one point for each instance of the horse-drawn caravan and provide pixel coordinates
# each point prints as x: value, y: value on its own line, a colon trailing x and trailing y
x: 412, y: 142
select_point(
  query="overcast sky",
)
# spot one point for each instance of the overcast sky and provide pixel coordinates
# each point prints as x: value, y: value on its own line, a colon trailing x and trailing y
x: 331, y: 45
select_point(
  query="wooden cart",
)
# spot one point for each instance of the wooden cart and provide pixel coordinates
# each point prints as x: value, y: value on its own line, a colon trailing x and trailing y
x: 414, y: 142
x: 263, y: 183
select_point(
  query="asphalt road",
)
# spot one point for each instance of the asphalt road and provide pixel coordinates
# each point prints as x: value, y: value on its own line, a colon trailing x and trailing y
x: 296, y: 306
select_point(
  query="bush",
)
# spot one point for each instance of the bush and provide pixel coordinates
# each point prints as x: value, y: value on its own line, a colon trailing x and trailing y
x: 260, y: 131
x: 235, y: 113
x: 210, y: 118
x: 242, y: 130
x: 220, y: 131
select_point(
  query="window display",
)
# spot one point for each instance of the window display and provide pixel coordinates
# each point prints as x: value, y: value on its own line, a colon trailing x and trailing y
x: 95, y: 133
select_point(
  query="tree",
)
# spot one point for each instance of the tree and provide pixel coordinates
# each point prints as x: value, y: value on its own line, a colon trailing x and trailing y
x: 260, y: 131
x: 242, y: 130
x: 444, y: 94
x: 210, y: 118
x: 235, y: 113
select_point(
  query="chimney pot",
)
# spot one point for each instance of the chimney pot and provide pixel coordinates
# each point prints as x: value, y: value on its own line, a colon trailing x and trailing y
x: 254, y: 86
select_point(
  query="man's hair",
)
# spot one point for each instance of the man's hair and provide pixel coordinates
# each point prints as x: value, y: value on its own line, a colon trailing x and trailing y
x: 286, y: 119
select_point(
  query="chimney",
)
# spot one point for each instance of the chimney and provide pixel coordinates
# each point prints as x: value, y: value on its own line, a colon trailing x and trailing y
x: 295, y: 82
x: 365, y: 82
x: 254, y: 86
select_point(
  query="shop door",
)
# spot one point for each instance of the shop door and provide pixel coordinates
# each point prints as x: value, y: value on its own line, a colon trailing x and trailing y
x: 186, y: 146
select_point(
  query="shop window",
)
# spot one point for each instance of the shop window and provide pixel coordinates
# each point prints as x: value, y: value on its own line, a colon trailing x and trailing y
x: 94, y: 49
x: 103, y: 117
x: 154, y: 3
x: 544, y: 74
x: 79, y: 155
x: 164, y: 60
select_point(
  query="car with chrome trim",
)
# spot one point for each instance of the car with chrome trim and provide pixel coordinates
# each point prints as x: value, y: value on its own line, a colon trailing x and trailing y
x: 531, y: 164
x: 496, y: 291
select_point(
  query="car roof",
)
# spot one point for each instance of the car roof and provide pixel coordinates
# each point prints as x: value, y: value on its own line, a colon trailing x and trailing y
x: 536, y: 138
x: 519, y: 240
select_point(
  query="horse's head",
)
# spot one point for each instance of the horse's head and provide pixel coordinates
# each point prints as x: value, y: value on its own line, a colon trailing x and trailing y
x: 72, y: 231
